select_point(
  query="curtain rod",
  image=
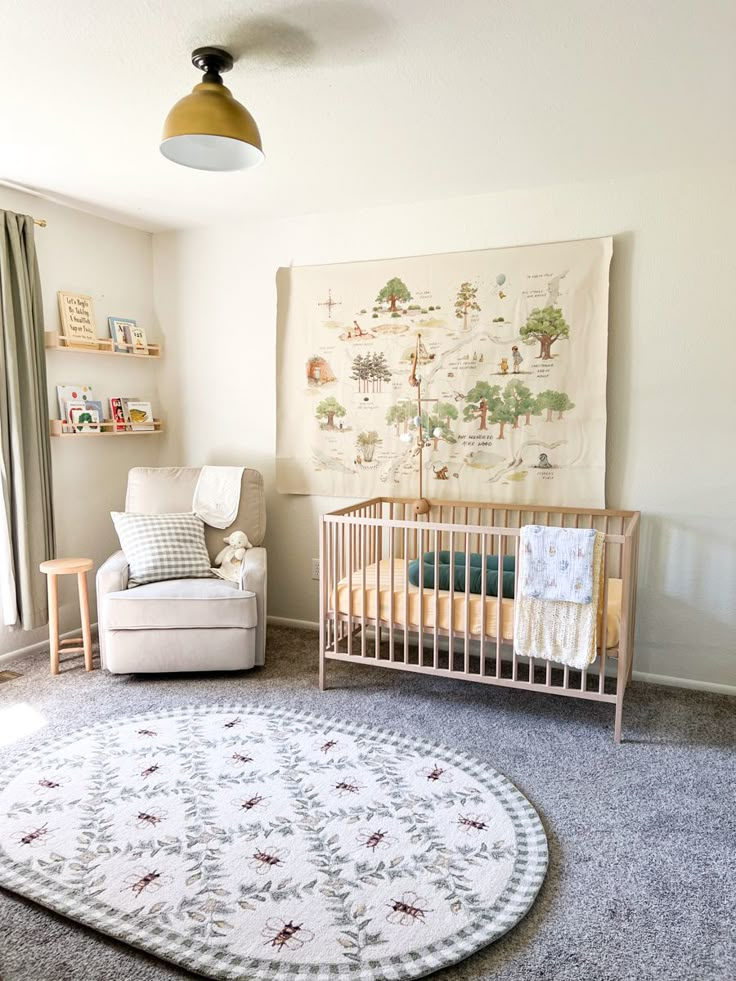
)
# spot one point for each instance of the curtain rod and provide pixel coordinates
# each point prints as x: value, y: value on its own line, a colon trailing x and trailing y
x: 41, y: 222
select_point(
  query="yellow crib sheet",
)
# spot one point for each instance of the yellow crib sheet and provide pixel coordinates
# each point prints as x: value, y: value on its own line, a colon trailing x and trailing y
x: 394, y: 607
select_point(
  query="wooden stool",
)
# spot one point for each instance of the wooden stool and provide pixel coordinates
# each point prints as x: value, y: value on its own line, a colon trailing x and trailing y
x: 68, y: 567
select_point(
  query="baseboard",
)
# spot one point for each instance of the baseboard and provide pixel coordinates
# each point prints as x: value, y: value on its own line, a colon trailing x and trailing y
x: 43, y: 645
x: 652, y: 679
x: 693, y: 683
x: 288, y: 622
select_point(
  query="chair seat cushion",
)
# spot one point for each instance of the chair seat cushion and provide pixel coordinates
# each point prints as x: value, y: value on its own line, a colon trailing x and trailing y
x: 205, y: 603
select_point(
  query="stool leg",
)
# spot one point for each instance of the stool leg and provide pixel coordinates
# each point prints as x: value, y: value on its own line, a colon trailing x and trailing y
x: 84, y: 611
x: 53, y: 623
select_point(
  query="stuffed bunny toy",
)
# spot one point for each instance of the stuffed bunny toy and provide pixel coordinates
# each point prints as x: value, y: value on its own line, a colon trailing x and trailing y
x: 230, y: 559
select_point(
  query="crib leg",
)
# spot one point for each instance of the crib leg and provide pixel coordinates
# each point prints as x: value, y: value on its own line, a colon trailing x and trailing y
x: 322, y: 658
x: 322, y: 669
x: 619, y: 710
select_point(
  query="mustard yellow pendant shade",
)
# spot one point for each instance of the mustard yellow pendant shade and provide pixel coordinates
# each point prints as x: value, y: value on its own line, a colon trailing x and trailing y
x: 209, y: 129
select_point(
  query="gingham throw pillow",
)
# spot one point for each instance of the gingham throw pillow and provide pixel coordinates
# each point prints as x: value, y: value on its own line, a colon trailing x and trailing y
x: 162, y: 546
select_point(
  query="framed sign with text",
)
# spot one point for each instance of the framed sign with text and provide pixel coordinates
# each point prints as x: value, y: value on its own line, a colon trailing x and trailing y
x: 77, y: 318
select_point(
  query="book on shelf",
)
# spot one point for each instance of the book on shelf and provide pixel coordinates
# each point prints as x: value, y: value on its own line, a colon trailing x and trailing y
x: 84, y: 419
x: 77, y: 319
x: 136, y: 337
x: 117, y: 413
x: 140, y: 415
x: 72, y: 393
x: 119, y: 332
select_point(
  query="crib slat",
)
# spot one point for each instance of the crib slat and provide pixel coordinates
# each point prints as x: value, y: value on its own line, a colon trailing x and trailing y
x: 340, y: 562
x: 420, y: 625
x: 377, y: 543
x: 435, y: 646
x: 584, y: 672
x: 631, y: 565
x: 451, y: 624
x: 514, y: 661
x: 406, y: 595
x: 604, y: 624
x: 350, y: 589
x: 466, y: 648
x: 499, y: 604
x: 392, y: 559
x: 483, y: 601
x: 322, y: 602
x: 364, y: 560
x: 328, y: 573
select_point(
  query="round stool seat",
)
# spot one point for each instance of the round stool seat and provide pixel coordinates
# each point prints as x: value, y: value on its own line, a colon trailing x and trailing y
x: 65, y: 567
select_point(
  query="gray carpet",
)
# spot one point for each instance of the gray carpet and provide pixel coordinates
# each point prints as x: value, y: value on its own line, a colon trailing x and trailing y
x: 642, y: 837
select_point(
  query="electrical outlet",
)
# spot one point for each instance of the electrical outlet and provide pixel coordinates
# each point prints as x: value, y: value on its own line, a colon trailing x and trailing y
x: 315, y: 568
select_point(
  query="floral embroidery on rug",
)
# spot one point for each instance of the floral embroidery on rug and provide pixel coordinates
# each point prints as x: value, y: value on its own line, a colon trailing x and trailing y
x: 251, y: 842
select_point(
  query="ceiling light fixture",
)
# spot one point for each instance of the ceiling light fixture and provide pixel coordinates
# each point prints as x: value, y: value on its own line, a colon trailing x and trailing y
x: 209, y: 129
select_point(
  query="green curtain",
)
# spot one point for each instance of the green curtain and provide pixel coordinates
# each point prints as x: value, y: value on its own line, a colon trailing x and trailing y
x: 24, y: 418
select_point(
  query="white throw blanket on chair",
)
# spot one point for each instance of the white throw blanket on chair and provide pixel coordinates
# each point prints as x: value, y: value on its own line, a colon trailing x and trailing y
x: 557, y: 629
x: 217, y: 495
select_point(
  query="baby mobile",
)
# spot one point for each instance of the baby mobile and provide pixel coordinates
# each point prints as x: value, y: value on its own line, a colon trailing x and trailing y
x: 421, y: 356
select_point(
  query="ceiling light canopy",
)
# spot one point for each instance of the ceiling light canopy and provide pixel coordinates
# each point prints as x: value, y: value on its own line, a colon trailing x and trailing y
x: 209, y: 129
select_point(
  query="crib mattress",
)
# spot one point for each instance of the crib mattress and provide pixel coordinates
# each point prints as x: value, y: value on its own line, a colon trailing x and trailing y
x: 403, y: 609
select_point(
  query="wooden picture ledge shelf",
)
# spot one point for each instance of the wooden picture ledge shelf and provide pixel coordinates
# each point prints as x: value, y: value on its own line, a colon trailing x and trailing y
x: 57, y: 342
x: 107, y: 428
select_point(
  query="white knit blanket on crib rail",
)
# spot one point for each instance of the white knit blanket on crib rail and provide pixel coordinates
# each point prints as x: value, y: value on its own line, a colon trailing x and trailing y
x: 558, y: 630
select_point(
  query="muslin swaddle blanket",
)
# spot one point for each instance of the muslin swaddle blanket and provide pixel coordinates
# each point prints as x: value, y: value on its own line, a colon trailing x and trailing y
x: 546, y: 623
x: 557, y: 563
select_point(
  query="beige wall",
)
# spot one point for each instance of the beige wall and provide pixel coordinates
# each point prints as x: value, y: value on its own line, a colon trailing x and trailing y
x: 670, y: 394
x: 113, y: 263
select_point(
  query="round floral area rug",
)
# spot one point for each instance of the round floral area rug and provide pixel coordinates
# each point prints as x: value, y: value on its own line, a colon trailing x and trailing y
x: 250, y: 842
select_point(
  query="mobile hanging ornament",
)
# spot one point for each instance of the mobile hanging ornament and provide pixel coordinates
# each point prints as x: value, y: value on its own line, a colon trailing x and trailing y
x: 421, y: 356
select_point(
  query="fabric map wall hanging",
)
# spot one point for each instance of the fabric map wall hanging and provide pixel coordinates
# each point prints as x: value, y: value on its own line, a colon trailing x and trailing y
x: 512, y: 363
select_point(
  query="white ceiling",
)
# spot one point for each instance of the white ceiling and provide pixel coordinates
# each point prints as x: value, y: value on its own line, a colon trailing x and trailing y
x: 363, y: 102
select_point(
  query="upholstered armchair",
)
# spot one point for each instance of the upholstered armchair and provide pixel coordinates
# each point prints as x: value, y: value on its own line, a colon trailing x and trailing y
x: 185, y: 624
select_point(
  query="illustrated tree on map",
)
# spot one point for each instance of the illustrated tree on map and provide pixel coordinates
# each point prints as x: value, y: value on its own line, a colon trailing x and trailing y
x: 329, y: 409
x: 446, y: 411
x: 520, y: 399
x: 367, y: 443
x: 395, y: 291
x: 481, y: 399
x: 558, y: 402
x: 370, y: 371
x: 399, y: 415
x: 465, y: 302
x: 436, y: 427
x: 503, y: 415
x: 546, y: 326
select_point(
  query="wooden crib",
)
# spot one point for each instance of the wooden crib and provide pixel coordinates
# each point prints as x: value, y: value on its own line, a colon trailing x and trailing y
x: 371, y: 614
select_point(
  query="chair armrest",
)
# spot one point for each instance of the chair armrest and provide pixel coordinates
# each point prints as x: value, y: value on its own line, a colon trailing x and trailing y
x: 253, y: 577
x: 112, y: 576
